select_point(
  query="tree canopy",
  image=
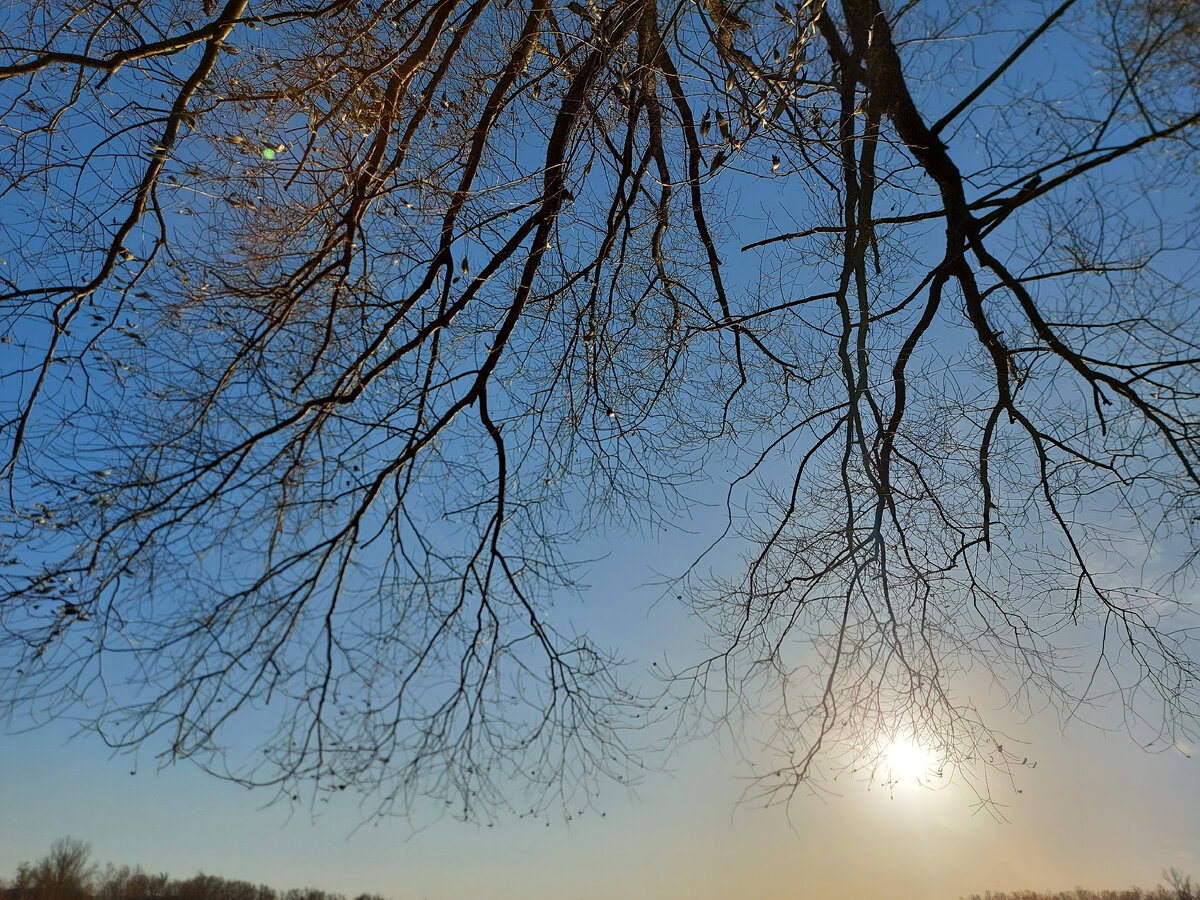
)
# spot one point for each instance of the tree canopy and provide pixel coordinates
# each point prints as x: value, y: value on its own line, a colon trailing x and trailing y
x: 329, y: 328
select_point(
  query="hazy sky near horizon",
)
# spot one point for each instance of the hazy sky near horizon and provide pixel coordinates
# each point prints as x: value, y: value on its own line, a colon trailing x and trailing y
x: 1097, y: 811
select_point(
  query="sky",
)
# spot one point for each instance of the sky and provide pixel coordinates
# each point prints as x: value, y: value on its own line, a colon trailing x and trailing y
x: 1097, y: 811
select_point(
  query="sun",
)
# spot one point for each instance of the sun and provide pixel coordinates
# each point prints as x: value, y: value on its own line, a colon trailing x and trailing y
x: 908, y: 761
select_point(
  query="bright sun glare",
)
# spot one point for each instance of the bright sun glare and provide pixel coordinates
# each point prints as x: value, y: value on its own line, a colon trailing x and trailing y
x: 908, y: 761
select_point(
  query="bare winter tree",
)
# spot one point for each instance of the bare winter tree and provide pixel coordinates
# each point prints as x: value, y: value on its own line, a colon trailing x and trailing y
x: 64, y: 873
x: 328, y: 328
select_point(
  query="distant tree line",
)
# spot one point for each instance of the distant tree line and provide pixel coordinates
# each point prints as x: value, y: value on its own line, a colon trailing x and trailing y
x: 1178, y: 887
x: 67, y: 873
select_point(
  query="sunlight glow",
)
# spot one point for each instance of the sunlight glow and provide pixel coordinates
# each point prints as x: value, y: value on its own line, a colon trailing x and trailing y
x: 908, y: 761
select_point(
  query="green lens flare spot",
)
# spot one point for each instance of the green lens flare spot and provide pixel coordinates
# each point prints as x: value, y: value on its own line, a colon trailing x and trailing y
x: 268, y: 153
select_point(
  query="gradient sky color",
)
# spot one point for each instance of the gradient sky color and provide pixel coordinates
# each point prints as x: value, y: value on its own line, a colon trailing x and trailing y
x: 1097, y: 811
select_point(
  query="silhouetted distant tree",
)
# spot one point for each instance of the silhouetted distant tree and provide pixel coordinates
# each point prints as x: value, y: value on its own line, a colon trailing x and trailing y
x: 310, y: 894
x: 212, y: 887
x: 1178, y: 887
x: 331, y: 328
x: 1181, y: 886
x: 124, y: 883
x: 63, y: 874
